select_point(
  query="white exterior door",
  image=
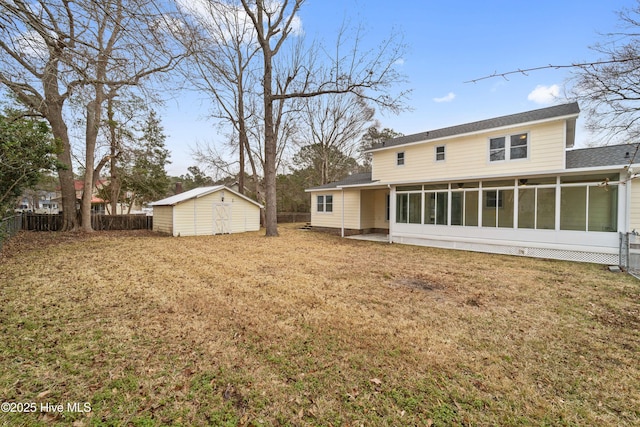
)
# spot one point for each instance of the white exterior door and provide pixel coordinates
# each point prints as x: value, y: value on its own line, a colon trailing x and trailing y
x: 221, y: 218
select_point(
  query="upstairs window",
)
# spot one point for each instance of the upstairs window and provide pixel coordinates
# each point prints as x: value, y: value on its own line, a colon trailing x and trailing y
x: 440, y: 153
x: 510, y: 147
x: 496, y: 149
x: 519, y: 146
x: 400, y: 158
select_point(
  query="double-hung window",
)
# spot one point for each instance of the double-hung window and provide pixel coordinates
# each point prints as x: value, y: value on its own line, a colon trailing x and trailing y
x: 400, y: 158
x: 496, y: 149
x: 440, y: 153
x: 510, y: 147
x: 325, y: 203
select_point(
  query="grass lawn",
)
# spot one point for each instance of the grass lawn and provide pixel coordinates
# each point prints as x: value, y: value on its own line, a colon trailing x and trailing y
x: 309, y: 329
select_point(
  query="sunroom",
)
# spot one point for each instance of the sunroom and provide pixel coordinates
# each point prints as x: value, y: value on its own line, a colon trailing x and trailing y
x: 568, y: 216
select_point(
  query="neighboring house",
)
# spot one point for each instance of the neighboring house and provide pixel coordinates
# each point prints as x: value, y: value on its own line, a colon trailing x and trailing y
x: 97, y: 204
x: 206, y: 211
x: 508, y: 185
x: 38, y: 201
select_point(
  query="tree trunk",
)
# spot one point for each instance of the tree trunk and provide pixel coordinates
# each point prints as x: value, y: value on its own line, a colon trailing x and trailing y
x: 65, y: 174
x: 51, y: 109
x: 114, y: 182
x: 242, y: 129
x: 94, y: 108
x: 270, y: 150
x: 241, y: 173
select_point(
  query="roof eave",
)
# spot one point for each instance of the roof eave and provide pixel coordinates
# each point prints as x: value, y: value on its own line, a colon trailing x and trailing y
x: 460, y: 135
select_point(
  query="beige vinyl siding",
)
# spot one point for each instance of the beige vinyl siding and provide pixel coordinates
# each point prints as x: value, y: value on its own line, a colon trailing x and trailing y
x: 634, y: 206
x: 373, y: 209
x: 183, y: 218
x: 196, y: 216
x: 245, y: 216
x: 163, y: 219
x: 334, y: 219
x: 468, y: 156
x: 204, y: 214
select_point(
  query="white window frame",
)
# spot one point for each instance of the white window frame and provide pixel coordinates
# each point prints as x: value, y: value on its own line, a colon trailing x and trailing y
x: 324, y: 204
x: 443, y: 153
x: 508, y: 147
x: 400, y: 158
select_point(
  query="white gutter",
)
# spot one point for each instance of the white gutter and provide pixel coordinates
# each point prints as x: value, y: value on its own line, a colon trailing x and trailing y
x: 390, y: 212
x: 342, y: 229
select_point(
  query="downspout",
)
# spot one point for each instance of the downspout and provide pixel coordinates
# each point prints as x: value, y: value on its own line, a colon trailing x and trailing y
x: 391, y: 212
x: 627, y: 203
x: 342, y: 229
x: 626, y: 228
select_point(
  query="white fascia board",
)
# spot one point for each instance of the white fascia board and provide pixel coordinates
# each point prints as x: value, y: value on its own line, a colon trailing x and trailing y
x: 373, y: 185
x: 316, y: 190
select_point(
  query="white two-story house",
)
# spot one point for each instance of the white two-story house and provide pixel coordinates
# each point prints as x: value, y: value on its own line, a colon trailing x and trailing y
x: 510, y: 185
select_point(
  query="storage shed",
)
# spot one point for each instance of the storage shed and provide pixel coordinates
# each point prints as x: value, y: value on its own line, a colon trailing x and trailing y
x: 206, y: 211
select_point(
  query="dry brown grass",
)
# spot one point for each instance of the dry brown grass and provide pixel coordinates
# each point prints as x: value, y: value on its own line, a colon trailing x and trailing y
x: 311, y: 329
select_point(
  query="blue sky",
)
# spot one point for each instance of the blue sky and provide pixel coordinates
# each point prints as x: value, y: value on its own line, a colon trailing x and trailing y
x: 450, y: 42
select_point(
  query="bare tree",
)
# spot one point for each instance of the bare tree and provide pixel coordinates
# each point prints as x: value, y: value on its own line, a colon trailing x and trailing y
x: 334, y: 125
x: 608, y: 88
x: 53, y: 50
x: 221, y: 65
x: 35, y: 43
x: 368, y: 75
x: 374, y: 135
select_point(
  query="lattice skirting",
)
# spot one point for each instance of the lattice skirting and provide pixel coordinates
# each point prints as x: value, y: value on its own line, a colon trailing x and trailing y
x: 594, y: 256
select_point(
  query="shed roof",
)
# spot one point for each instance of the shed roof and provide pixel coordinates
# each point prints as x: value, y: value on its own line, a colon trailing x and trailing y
x: 609, y: 155
x: 197, y: 193
x: 556, y: 111
x: 355, y: 179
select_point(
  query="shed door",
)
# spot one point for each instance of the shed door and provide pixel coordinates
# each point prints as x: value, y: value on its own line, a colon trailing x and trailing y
x: 221, y: 218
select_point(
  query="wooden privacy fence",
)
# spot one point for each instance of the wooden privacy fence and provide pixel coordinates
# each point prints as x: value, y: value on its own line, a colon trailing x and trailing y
x: 47, y: 222
x: 41, y: 222
x: 9, y: 227
x: 121, y: 222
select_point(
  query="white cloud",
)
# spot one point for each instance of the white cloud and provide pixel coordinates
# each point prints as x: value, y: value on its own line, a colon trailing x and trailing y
x: 450, y: 97
x: 32, y: 44
x: 226, y: 20
x: 544, y: 94
x: 400, y: 61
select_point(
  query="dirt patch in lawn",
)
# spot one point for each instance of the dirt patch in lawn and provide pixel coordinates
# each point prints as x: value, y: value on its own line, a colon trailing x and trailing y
x: 419, y: 283
x: 311, y: 329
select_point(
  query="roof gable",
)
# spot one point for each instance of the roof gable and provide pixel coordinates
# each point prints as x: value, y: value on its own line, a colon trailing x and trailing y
x: 197, y: 193
x: 542, y: 114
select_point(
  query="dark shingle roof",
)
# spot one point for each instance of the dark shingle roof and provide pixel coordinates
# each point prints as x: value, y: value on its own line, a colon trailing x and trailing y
x: 609, y: 155
x: 510, y: 120
x: 355, y: 179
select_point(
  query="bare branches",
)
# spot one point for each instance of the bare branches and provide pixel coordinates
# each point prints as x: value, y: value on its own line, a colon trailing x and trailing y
x: 525, y: 71
x: 87, y: 52
x: 608, y: 89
